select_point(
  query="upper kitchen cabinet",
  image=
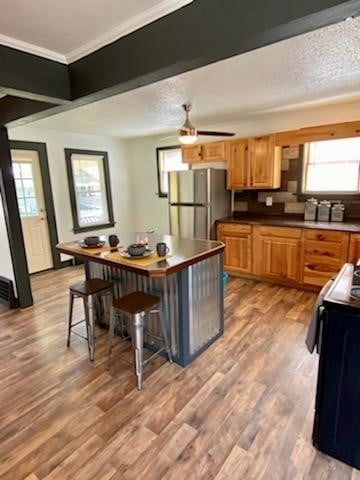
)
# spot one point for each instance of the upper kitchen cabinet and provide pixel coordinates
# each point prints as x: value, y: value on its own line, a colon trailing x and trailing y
x: 265, y: 162
x: 191, y: 153
x: 214, y: 152
x: 238, y: 164
x: 209, y: 152
x: 254, y: 163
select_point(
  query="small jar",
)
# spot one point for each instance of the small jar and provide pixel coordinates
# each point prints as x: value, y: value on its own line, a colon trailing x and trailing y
x: 324, y: 211
x: 337, y: 212
x: 310, y: 209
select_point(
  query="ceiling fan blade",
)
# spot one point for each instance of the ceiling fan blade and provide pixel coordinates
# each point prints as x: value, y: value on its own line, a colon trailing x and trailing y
x: 215, y: 134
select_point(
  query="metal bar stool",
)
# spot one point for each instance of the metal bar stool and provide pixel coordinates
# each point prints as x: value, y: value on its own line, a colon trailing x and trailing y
x: 137, y: 306
x: 93, y: 293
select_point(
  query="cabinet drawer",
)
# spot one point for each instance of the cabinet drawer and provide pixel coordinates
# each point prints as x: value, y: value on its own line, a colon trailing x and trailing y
x: 234, y: 228
x: 325, y: 235
x: 284, y: 232
x: 326, y: 253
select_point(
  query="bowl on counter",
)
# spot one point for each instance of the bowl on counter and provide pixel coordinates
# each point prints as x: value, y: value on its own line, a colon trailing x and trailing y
x: 136, y: 249
x: 92, y: 241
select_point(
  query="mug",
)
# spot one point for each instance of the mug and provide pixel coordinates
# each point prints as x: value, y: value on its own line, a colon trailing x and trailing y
x: 162, y: 249
x: 113, y: 241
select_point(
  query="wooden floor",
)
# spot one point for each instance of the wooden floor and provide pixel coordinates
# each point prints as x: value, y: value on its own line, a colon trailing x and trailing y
x: 243, y: 410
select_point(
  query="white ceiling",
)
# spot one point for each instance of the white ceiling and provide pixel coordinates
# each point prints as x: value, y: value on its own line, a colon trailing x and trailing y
x: 66, y: 30
x: 316, y: 68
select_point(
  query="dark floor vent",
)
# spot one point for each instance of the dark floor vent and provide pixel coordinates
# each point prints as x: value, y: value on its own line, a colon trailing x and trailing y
x: 7, y: 295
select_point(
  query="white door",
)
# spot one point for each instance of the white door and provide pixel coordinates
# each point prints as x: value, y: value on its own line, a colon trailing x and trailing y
x: 30, y: 195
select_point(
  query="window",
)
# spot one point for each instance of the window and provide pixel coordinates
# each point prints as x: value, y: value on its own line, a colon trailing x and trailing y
x: 25, y: 189
x: 89, y: 185
x: 168, y: 158
x: 332, y: 166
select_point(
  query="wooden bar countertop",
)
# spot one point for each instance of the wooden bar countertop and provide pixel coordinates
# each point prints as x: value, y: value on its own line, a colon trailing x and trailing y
x: 182, y: 253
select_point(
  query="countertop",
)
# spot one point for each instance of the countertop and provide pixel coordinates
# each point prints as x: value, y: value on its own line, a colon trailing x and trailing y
x: 183, y: 252
x: 351, y: 225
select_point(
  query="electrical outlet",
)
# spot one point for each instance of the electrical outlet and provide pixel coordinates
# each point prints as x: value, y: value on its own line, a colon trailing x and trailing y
x: 269, y: 201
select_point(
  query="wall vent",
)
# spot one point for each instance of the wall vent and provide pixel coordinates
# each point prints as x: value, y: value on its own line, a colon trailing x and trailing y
x: 7, y: 295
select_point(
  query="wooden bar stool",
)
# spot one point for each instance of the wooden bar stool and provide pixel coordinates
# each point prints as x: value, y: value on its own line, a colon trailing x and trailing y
x: 93, y: 293
x: 137, y: 306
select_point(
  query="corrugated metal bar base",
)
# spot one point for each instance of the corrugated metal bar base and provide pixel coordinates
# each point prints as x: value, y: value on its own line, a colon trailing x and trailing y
x: 192, y: 300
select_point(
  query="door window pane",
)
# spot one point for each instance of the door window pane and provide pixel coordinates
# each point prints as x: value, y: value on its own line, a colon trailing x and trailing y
x: 31, y: 206
x: 22, y: 209
x: 28, y: 188
x: 25, y: 189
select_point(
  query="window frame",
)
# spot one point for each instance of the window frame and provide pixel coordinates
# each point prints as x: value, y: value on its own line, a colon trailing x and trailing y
x: 321, y: 195
x: 71, y: 183
x: 162, y: 194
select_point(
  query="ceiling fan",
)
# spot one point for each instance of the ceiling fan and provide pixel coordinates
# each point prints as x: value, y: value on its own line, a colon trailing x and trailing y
x: 188, y: 133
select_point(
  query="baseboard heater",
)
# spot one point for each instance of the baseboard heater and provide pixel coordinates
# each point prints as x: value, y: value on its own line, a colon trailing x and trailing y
x: 7, y: 295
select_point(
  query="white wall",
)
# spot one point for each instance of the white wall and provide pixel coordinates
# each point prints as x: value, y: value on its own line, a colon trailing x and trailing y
x: 6, y: 268
x: 119, y: 174
x: 149, y: 210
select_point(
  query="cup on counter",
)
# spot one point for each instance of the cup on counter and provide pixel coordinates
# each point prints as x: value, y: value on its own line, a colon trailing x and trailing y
x: 113, y: 241
x: 162, y: 249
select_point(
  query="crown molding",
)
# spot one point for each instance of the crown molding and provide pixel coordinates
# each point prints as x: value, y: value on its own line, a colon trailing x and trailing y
x: 31, y: 48
x: 138, y: 21
x: 144, y: 18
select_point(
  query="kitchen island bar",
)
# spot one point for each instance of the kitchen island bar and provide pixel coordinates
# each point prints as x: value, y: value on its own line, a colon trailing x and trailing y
x: 188, y: 281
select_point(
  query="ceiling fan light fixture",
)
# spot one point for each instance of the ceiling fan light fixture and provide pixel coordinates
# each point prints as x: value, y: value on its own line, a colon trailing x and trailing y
x: 188, y: 137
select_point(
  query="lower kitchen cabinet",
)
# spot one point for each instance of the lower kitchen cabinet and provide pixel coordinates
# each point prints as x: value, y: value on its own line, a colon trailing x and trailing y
x: 354, y: 248
x: 277, y: 252
x: 238, y: 247
x: 325, y: 252
x: 297, y: 256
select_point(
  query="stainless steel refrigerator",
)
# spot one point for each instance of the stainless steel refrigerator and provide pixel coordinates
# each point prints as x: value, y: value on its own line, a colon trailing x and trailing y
x: 197, y: 198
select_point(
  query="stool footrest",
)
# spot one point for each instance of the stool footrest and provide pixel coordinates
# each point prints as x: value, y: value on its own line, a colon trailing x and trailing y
x: 79, y: 335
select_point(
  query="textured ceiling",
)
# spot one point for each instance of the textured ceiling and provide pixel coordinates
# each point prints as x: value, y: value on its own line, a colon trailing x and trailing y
x: 316, y: 68
x: 71, y: 27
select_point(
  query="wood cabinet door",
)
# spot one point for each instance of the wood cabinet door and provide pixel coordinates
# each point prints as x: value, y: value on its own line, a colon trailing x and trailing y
x: 238, y: 164
x: 237, y: 254
x: 325, y: 252
x: 238, y: 246
x: 280, y: 258
x: 265, y: 162
x: 214, y: 152
x: 191, y: 154
x: 354, y: 248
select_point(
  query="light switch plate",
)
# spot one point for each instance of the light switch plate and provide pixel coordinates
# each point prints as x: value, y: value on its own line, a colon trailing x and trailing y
x: 269, y: 201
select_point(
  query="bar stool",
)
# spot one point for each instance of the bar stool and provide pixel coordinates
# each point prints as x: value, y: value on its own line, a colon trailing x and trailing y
x: 93, y: 293
x: 137, y: 306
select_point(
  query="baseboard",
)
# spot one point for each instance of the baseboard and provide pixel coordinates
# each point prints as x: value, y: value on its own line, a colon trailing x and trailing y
x: 65, y: 263
x: 282, y: 283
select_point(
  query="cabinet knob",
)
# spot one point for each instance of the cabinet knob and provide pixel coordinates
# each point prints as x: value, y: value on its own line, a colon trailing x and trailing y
x: 320, y: 236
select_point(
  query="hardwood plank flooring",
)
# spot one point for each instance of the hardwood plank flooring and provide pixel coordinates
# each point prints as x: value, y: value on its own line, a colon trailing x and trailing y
x: 243, y: 410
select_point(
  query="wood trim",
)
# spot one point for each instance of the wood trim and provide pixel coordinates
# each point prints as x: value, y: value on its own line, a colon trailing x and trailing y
x: 13, y: 223
x: 162, y: 194
x: 278, y: 281
x: 323, y: 132
x: 19, y: 76
x: 40, y: 148
x: 76, y: 227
